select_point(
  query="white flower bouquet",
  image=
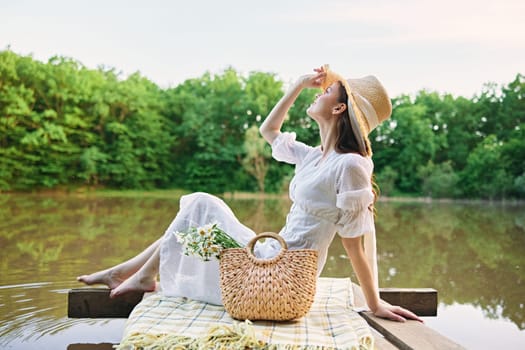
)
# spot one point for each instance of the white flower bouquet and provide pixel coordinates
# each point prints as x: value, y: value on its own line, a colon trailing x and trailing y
x: 206, y: 241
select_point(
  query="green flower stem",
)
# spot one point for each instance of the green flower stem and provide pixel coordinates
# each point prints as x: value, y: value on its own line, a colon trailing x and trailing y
x: 225, y: 240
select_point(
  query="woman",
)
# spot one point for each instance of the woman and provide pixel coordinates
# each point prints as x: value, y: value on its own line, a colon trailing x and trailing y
x: 331, y: 192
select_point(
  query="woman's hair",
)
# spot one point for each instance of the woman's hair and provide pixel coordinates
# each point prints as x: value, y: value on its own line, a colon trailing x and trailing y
x: 346, y: 141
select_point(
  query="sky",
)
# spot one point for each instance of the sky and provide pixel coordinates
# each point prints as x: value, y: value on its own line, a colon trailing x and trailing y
x: 448, y: 46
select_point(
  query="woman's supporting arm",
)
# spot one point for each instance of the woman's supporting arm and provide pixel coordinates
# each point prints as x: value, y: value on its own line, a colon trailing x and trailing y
x: 356, y: 254
x: 355, y: 251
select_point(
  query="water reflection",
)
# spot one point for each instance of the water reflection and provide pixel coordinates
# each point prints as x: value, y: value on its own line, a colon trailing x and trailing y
x: 472, y: 254
x: 46, y: 242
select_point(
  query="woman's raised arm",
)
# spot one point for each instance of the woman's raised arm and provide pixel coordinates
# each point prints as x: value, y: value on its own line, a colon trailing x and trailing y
x: 271, y: 127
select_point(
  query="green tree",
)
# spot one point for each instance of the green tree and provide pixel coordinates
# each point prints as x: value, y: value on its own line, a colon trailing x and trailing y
x: 211, y: 130
x: 62, y: 125
x: 438, y: 180
x: 56, y: 114
x: 462, y: 127
x: 485, y: 174
x: 386, y: 180
x: 137, y: 138
x: 256, y: 160
x: 404, y: 142
x: 212, y: 114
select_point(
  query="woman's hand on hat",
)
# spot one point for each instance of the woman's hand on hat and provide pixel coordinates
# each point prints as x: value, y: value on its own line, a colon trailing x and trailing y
x: 395, y: 313
x: 320, y: 69
x: 312, y: 80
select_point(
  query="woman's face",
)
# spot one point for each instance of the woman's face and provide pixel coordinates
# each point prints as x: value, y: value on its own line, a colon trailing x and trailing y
x: 324, y: 103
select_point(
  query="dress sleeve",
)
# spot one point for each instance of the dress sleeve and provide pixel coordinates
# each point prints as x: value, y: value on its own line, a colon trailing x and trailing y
x: 286, y: 149
x: 355, y: 199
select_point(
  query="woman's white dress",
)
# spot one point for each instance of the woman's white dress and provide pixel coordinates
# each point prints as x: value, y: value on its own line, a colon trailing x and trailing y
x: 329, y: 196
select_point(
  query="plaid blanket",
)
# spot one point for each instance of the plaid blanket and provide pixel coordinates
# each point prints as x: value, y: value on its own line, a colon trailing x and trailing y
x: 330, y: 324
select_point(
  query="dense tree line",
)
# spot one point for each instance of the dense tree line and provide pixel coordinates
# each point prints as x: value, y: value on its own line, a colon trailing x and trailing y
x: 63, y: 125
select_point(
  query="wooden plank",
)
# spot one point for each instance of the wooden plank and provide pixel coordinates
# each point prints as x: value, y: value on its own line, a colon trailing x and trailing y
x: 380, y: 343
x: 410, y: 334
x: 403, y: 335
x: 96, y: 303
x: 421, y: 301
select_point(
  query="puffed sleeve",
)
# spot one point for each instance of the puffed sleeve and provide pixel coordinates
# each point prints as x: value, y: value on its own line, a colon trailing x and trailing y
x: 355, y: 199
x: 286, y: 149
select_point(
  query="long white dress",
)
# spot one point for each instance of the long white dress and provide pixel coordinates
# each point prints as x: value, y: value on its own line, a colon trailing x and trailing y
x: 329, y: 196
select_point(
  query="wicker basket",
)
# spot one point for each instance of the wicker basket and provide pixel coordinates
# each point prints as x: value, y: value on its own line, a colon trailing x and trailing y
x: 279, y: 289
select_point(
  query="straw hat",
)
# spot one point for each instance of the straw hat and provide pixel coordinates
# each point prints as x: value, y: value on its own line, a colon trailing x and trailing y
x: 368, y: 103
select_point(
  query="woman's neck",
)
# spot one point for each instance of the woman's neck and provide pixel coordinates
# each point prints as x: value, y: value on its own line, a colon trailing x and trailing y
x: 328, y: 134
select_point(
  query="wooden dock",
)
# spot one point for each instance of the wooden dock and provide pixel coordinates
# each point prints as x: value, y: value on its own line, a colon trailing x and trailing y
x: 96, y: 303
x: 410, y: 334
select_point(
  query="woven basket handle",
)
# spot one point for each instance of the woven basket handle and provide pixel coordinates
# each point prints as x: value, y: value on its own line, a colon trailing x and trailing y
x: 276, y: 236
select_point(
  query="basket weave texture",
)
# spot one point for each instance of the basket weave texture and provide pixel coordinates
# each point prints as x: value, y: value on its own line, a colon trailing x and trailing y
x: 278, y: 289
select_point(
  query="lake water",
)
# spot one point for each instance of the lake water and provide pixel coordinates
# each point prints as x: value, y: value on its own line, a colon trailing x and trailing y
x: 473, y: 254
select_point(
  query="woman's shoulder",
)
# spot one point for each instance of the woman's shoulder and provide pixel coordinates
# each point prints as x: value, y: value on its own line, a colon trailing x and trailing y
x: 354, y: 170
x: 354, y: 160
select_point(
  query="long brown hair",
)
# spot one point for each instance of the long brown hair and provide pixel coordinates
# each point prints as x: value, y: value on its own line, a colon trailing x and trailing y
x: 346, y: 141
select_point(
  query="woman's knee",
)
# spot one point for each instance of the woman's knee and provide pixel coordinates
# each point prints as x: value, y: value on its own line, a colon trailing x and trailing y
x: 200, y: 200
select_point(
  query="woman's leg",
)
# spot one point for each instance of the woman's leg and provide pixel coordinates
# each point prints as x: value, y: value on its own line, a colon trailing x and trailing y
x: 144, y: 280
x: 139, y: 273
x: 114, y: 276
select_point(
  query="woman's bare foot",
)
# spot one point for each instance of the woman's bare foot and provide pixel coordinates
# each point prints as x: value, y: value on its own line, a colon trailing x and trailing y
x: 110, y: 277
x: 135, y: 283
